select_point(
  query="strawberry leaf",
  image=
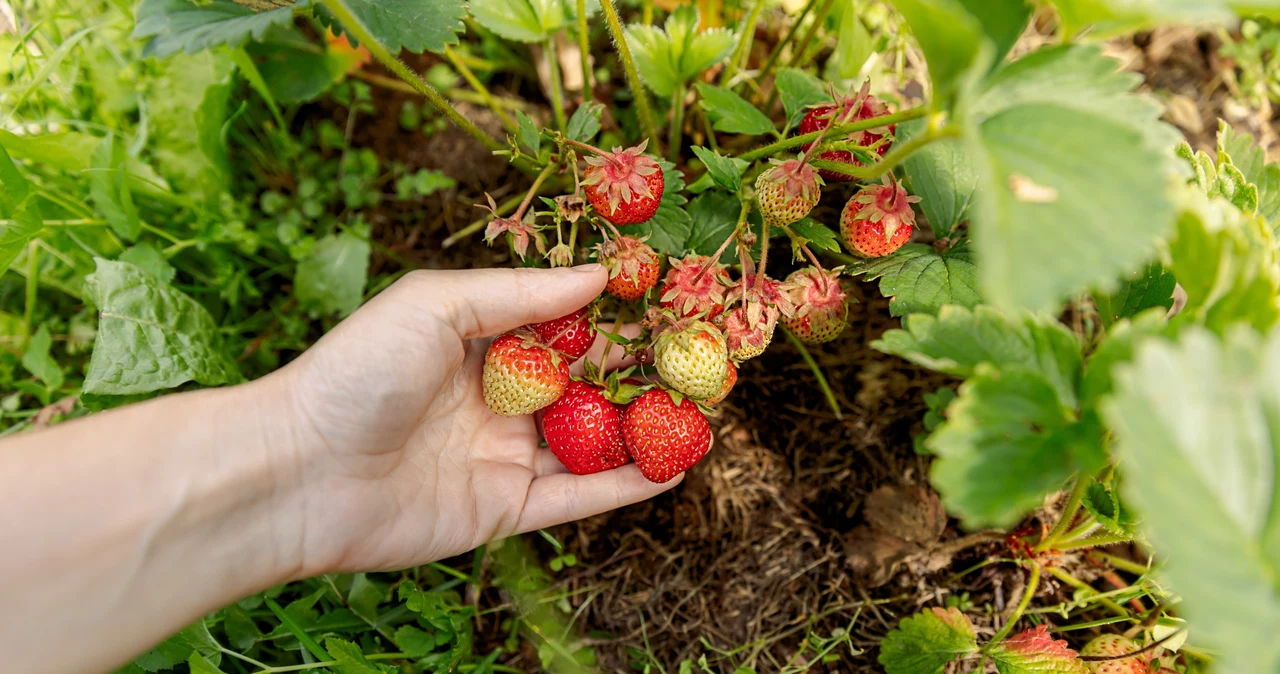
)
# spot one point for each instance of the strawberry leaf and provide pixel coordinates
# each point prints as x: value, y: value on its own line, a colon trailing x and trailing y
x: 1045, y: 215
x: 413, y: 25
x: 925, y: 642
x: 799, y: 90
x: 1104, y: 504
x: 669, y: 229
x: 1118, y: 347
x: 670, y: 56
x: 1114, y: 18
x: 585, y: 122
x: 921, y: 280
x: 814, y: 234
x: 942, y: 175
x: 952, y: 41
x: 525, y: 20
x: 1035, y: 652
x: 725, y: 171
x: 732, y: 113
x: 1197, y: 424
x: 714, y: 215
x: 172, y: 26
x: 1142, y: 290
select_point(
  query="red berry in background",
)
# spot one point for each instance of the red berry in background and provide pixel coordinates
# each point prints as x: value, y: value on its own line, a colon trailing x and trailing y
x: 787, y: 191
x: 624, y: 186
x: 584, y: 430
x: 633, y: 267
x: 867, y: 107
x: 521, y: 376
x: 1112, y: 645
x: 821, y: 311
x: 878, y: 220
x: 689, y: 290
x: 729, y: 381
x: 664, y: 438
x: 571, y: 334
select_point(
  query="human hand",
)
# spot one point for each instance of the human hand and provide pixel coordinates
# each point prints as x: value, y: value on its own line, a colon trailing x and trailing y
x: 397, y: 457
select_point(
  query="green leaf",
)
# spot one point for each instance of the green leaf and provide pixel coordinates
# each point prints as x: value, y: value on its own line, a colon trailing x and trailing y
x: 331, y: 279
x: 854, y: 45
x: 172, y: 26
x: 958, y: 340
x: 813, y: 234
x: 1002, y: 20
x: 297, y: 75
x: 37, y: 361
x: 150, y: 336
x: 165, y: 655
x: 585, y: 122
x: 241, y: 631
x: 1008, y: 442
x: 669, y: 229
x: 1142, y: 290
x: 364, y: 596
x: 145, y: 257
x: 1105, y: 506
x: 17, y: 203
x: 1117, y: 348
x: 1252, y: 162
x: 725, y: 171
x: 1064, y: 152
x: 110, y: 191
x: 927, y: 641
x: 350, y: 659
x: 413, y: 25
x: 714, y: 216
x: 952, y: 41
x: 1114, y: 17
x: 799, y: 90
x: 920, y: 280
x: 1197, y: 425
x: 529, y: 134
x: 414, y: 641
x: 1033, y: 651
x: 942, y: 175
x: 670, y: 56
x: 513, y: 19
x: 70, y: 151
x: 732, y: 113
x: 187, y: 114
x: 201, y: 665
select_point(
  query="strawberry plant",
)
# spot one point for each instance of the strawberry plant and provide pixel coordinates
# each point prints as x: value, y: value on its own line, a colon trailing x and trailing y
x: 1105, y: 294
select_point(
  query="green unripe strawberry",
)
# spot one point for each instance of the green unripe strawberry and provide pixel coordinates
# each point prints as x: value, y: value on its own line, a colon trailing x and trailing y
x: 693, y: 360
x: 787, y: 192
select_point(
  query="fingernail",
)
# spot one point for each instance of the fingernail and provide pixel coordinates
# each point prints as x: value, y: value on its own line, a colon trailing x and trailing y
x: 588, y: 268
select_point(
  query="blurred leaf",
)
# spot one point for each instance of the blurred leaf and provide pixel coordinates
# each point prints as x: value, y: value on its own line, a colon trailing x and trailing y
x: 298, y: 75
x: 37, y: 361
x: 188, y: 109
x: 585, y: 122
x: 1142, y: 290
x: 1252, y: 162
x: 725, y: 171
x: 732, y: 113
x: 799, y: 90
x: 942, y: 175
x: 1115, y: 17
x: 670, y: 56
x: 17, y: 203
x: 927, y: 641
x: 853, y: 45
x: 1003, y: 21
x: 412, y: 25
x: 150, y: 336
x: 144, y: 256
x: 414, y: 641
x: 1105, y: 506
x: 331, y: 279
x: 950, y: 37
x: 920, y: 280
x: 110, y: 191
x: 529, y: 136
x: 1122, y: 338
x: 241, y: 631
x: 172, y: 26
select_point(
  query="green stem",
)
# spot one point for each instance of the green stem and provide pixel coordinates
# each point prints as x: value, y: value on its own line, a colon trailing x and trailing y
x: 33, y: 284
x: 557, y: 87
x: 330, y: 663
x: 646, y: 12
x: 777, y: 49
x: 890, y: 161
x: 1094, y: 542
x: 677, y: 123
x: 584, y: 50
x: 349, y: 21
x: 1121, y: 563
x: 1081, y: 585
x: 1032, y: 583
x: 842, y: 130
x: 740, y: 52
x: 818, y: 20
x: 1086, y: 525
x: 1068, y: 514
x: 643, y: 111
x: 817, y: 372
x: 479, y: 87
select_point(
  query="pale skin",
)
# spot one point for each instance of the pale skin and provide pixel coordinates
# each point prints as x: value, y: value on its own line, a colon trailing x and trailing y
x: 372, y: 451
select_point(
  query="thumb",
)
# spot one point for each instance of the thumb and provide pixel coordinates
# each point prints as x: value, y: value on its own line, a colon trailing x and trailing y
x: 487, y: 302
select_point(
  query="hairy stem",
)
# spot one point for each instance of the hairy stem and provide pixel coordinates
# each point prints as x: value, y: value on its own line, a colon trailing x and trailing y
x: 1094, y: 542
x: 745, y: 36
x: 557, y: 87
x: 1068, y: 514
x: 479, y: 87
x: 344, y: 15
x: 777, y: 49
x: 533, y: 190
x: 796, y: 55
x: 676, y: 136
x: 817, y: 372
x: 643, y: 111
x: 890, y: 161
x: 1032, y: 584
x: 1120, y: 563
x: 843, y: 130
x: 1081, y: 585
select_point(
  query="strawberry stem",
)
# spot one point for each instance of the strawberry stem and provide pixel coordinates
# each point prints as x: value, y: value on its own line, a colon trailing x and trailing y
x: 1033, y: 583
x: 528, y: 197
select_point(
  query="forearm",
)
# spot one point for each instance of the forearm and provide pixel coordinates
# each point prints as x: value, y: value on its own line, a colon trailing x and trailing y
x: 125, y: 526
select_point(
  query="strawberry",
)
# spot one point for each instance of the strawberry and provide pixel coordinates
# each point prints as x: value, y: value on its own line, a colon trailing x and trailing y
x: 820, y: 308
x: 729, y: 381
x: 633, y: 267
x: 665, y: 437
x: 584, y: 430
x: 1111, y: 645
x: 521, y: 376
x: 748, y: 330
x: 571, y: 334
x: 787, y: 192
x: 866, y: 107
x: 878, y: 220
x: 695, y: 285
x: 624, y: 186
x: 692, y: 359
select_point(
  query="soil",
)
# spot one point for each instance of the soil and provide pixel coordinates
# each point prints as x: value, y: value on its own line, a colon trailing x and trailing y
x: 797, y: 522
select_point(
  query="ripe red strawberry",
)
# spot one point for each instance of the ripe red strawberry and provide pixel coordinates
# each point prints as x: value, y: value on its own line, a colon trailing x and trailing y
x: 748, y: 330
x: 693, y: 360
x: 821, y: 116
x: 729, y: 381
x: 1111, y: 645
x: 633, y: 267
x: 521, y: 376
x: 664, y: 438
x: 787, y: 192
x: 571, y: 334
x: 820, y: 307
x: 624, y: 186
x: 584, y: 430
x: 878, y: 220
x: 688, y: 290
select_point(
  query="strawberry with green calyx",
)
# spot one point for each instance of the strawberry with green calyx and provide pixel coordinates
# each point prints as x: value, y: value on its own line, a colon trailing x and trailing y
x: 521, y: 375
x: 695, y: 285
x: 821, y: 311
x: 859, y: 107
x: 787, y: 191
x: 878, y: 220
x: 584, y: 430
x: 572, y: 334
x: 729, y: 381
x: 623, y: 186
x: 520, y: 229
x: 1114, y: 646
x: 633, y: 267
x: 692, y: 357
x: 665, y: 433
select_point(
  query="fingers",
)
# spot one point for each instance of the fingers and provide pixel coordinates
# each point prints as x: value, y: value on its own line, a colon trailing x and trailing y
x: 486, y: 302
x: 618, y: 357
x: 558, y: 498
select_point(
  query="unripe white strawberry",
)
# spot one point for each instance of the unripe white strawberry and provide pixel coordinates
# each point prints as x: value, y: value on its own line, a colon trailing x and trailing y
x: 693, y: 360
x: 787, y: 192
x: 1111, y: 645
